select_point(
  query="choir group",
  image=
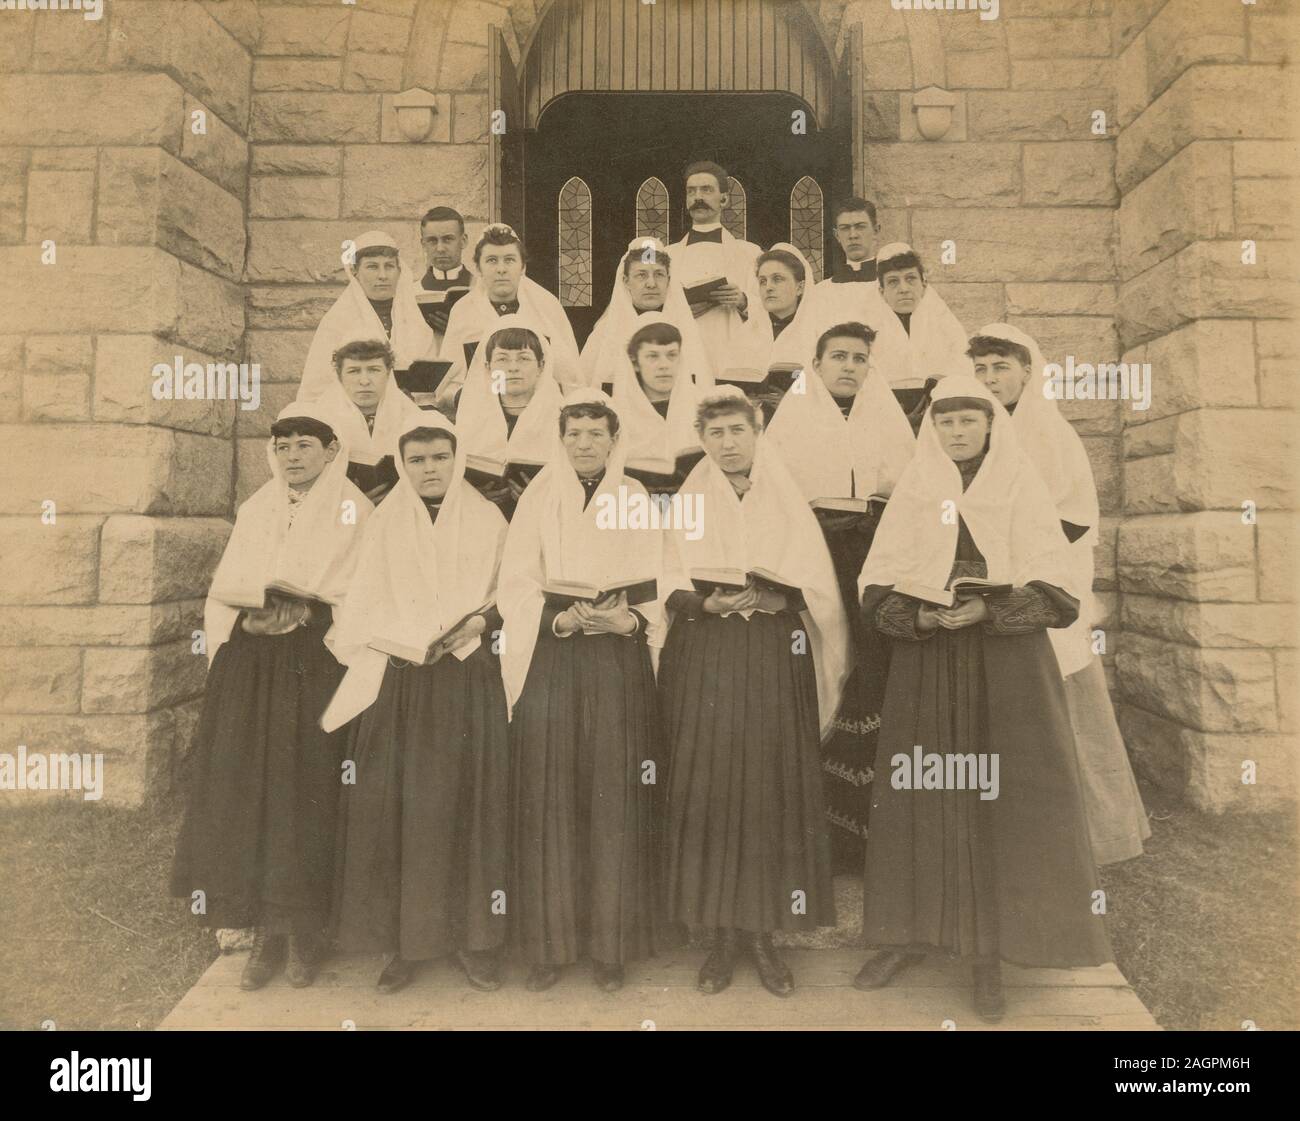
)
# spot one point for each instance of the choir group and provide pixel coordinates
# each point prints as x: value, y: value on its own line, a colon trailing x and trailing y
x: 457, y: 705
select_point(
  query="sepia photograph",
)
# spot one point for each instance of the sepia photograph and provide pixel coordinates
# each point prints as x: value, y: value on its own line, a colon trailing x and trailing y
x: 649, y: 515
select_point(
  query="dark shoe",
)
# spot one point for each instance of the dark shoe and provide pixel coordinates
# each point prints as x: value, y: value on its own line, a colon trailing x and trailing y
x: 989, y: 1002
x: 397, y: 974
x: 482, y: 969
x: 718, y: 967
x: 883, y: 968
x: 541, y: 978
x: 608, y: 978
x: 304, y: 960
x: 772, y: 971
x: 266, y: 956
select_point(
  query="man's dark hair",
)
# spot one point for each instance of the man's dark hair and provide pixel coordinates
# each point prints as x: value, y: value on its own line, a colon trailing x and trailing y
x: 636, y: 256
x: 897, y: 263
x: 303, y: 426
x: 591, y: 410
x: 362, y: 350
x: 784, y: 257
x: 708, y: 167
x: 957, y: 404
x: 713, y: 407
x: 443, y: 214
x: 500, y: 235
x: 853, y: 205
x: 423, y: 435
x: 513, y: 338
x: 858, y: 331
x: 982, y: 345
x: 658, y: 334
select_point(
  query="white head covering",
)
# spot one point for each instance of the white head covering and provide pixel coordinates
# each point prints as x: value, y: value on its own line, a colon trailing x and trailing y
x: 772, y: 528
x: 414, y: 577
x: 834, y: 457
x: 1006, y: 508
x: 365, y: 445
x: 553, y: 537
x: 643, y: 433
x: 481, y: 422
x: 606, y: 349
x: 353, y: 317
x: 315, y: 553
x: 795, y: 341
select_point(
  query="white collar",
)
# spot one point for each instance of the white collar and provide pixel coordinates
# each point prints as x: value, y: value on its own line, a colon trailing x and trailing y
x: 856, y: 266
x: 707, y: 229
x: 449, y: 274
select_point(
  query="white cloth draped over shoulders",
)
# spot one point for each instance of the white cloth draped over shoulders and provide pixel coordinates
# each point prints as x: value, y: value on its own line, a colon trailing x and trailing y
x: 644, y: 434
x: 729, y: 341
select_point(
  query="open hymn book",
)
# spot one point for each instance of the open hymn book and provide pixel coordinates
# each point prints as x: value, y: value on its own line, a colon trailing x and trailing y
x: 728, y: 580
x: 968, y: 587
x: 563, y: 594
x: 419, y: 649
x: 258, y: 601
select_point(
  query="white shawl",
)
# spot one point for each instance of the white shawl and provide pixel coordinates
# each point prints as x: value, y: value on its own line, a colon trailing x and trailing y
x: 934, y: 348
x: 395, y: 411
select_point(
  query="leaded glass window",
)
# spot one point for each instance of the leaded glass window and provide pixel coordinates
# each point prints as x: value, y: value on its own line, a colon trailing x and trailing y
x: 652, y: 210
x: 806, y: 224
x: 733, y: 214
x: 575, y: 244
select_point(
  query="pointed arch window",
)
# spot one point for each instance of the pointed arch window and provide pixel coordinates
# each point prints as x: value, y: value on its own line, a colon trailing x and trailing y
x: 733, y: 214
x: 652, y: 210
x: 575, y: 244
x: 806, y: 223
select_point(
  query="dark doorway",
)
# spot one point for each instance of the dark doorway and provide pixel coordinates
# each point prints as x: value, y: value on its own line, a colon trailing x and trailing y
x: 614, y: 142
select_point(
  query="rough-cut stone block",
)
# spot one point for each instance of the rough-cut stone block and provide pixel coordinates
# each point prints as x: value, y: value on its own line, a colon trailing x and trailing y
x: 301, y: 74
x: 66, y: 397
x: 1132, y: 86
x: 53, y: 355
x: 54, y: 564
x: 891, y: 67
x: 1266, y: 159
x: 292, y: 307
x: 40, y: 680
x: 304, y: 31
x: 1022, y: 245
x: 1186, y: 32
x: 59, y: 40
x: 362, y: 71
x: 1104, y: 455
x: 315, y: 118
x: 940, y: 175
x: 1149, y: 485
x: 975, y: 70
x: 101, y: 624
x: 1249, y: 625
x: 390, y: 131
x: 1189, y: 199
x: 294, y: 159
x: 1277, y: 346
x: 1054, y: 38
x: 1103, y: 553
x: 1207, y: 363
x: 1265, y: 208
x: 13, y: 195
x: 242, y: 18
x: 470, y: 21
x: 124, y: 381
x: 1070, y: 173
x: 1062, y: 74
x: 1274, y: 36
x: 1094, y: 418
x: 881, y: 116
x: 1059, y: 337
x: 1036, y: 114
x: 377, y: 33
x: 464, y: 69
x: 1204, y: 103
x: 220, y: 153
x: 60, y: 205
x: 11, y: 377
x: 274, y: 398
x: 279, y: 354
x: 1287, y: 673
x: 972, y: 304
x: 115, y: 109
x: 469, y: 118
x: 16, y: 45
x: 150, y: 560
x: 294, y: 196
x: 252, y: 470
x: 1151, y: 437
x: 397, y: 183
x: 1225, y: 457
x: 1060, y: 299
x: 124, y: 679
x: 1201, y: 556
x: 291, y: 250
x: 1129, y: 18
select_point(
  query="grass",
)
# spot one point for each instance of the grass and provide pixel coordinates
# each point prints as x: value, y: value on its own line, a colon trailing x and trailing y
x: 1204, y: 925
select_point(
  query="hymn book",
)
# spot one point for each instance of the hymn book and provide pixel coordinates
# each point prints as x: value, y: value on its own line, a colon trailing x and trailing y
x: 420, y: 652
x: 444, y: 298
x: 730, y: 580
x: 702, y: 290
x: 255, y: 601
x: 481, y: 470
x: 563, y: 594
x: 968, y: 587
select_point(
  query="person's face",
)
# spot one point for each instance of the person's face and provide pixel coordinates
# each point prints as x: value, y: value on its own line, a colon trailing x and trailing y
x: 502, y: 267
x: 902, y: 289
x: 962, y: 433
x: 843, y: 365
x: 587, y: 443
x: 520, y: 370
x: 444, y: 244
x: 303, y: 458
x: 730, y: 440
x: 1005, y: 377
x: 779, y: 289
x: 705, y: 201
x: 657, y: 364
x: 364, y: 381
x: 428, y: 465
x: 647, y: 285
x: 856, y: 234
x: 377, y: 275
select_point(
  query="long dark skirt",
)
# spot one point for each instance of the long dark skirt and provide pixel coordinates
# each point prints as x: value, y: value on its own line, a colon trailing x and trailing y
x: 1011, y: 877
x: 849, y: 754
x: 747, y: 844
x: 258, y: 834
x: 586, y: 846
x: 423, y: 832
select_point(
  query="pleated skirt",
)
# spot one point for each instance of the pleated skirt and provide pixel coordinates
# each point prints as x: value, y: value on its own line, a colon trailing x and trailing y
x: 747, y: 844
x: 258, y: 833
x: 587, y: 770
x: 422, y: 857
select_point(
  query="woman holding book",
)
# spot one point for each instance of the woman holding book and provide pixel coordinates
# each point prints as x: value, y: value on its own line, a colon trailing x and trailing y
x: 257, y: 845
x: 984, y: 879
x: 422, y: 856
x: 584, y: 731
x: 751, y: 676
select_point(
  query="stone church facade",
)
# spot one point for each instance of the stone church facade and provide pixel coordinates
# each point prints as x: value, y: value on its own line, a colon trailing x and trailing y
x: 196, y: 165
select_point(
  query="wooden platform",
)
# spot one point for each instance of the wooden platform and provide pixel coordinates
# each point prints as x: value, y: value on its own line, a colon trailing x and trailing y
x: 661, y: 992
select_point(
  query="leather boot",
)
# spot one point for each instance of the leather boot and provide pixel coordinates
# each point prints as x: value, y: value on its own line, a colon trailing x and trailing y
x: 304, y: 959
x: 772, y: 971
x: 397, y: 974
x: 989, y: 1001
x: 266, y: 956
x: 883, y: 968
x: 718, y: 967
x: 482, y: 969
x: 608, y: 978
x: 541, y: 977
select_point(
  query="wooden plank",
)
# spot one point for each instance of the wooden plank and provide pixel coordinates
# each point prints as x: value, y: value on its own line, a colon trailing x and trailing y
x: 740, y: 45
x: 588, y: 44
x: 629, y: 44
x: 658, y: 46
x: 755, y: 45
x: 602, y: 44
x: 713, y: 57
x: 573, y: 53
x: 699, y: 45
x: 615, y: 44
x: 727, y: 45
x: 781, y: 52
x: 768, y: 46
x: 671, y: 32
x: 644, y: 14
x: 546, y: 65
